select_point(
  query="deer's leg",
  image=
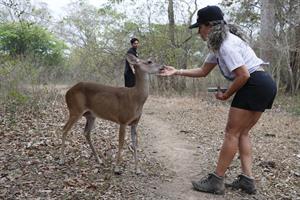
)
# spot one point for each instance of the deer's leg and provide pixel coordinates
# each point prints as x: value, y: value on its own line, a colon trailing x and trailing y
x: 72, y: 120
x: 134, y: 146
x: 90, y: 121
x: 122, y: 132
x: 135, y: 136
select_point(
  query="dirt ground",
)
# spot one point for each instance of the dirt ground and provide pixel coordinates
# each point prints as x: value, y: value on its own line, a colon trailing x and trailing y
x: 179, y: 142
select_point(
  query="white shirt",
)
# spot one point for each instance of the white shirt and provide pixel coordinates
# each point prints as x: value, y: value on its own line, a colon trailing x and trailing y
x: 234, y: 53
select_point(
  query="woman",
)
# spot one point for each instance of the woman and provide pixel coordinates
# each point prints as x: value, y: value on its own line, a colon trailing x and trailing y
x: 254, y: 91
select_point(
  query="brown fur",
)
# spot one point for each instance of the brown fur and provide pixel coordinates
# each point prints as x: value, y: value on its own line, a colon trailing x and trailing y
x: 118, y: 104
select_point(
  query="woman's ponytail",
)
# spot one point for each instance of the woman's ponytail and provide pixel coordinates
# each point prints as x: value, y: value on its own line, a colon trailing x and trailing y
x: 236, y: 30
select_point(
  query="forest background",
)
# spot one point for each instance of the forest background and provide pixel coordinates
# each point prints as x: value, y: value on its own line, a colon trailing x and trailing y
x: 88, y: 43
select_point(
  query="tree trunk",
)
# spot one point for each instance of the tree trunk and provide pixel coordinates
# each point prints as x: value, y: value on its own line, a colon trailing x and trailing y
x: 295, y: 51
x: 172, y: 39
x: 267, y: 30
x: 297, y: 56
x: 171, y: 22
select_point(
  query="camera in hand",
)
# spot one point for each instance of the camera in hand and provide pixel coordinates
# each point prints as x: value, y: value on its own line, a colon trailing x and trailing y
x: 216, y: 89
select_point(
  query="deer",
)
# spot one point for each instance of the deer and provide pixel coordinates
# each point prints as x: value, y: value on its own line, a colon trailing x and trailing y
x: 121, y: 105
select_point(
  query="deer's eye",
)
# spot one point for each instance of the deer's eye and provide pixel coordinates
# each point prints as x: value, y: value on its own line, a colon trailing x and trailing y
x: 149, y: 62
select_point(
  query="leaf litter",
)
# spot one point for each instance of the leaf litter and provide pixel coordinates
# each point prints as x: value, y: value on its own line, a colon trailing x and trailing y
x: 30, y: 148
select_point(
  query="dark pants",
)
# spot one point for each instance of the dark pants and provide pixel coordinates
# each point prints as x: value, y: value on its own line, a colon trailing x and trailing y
x: 129, y: 79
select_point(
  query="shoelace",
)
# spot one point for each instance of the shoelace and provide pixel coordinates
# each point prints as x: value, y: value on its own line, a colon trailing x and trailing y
x: 205, y: 179
x: 236, y: 181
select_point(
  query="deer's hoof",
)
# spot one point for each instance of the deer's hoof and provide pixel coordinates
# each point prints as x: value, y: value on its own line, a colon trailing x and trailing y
x: 130, y: 147
x: 117, y: 170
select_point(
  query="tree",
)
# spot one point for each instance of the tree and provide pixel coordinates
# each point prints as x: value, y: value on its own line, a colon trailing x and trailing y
x: 171, y: 22
x: 98, y: 39
x: 23, y: 10
x: 25, y: 39
x: 244, y: 13
x: 294, y: 47
x: 267, y: 30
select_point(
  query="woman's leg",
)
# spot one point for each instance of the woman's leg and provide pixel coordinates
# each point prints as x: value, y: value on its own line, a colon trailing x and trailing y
x: 238, y: 123
x: 245, y: 151
x: 239, y: 120
x: 245, y: 148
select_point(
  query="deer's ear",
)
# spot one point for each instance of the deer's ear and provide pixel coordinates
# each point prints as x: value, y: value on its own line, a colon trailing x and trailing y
x: 131, y: 59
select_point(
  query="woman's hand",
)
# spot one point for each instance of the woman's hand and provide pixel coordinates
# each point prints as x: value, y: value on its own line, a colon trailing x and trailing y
x: 241, y: 77
x: 168, y: 71
x: 221, y: 96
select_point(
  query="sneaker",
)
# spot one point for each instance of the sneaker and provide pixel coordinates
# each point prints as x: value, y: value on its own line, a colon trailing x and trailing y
x: 210, y: 184
x: 244, y: 183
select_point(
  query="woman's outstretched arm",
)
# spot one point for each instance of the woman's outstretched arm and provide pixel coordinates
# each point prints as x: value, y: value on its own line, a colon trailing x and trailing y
x: 197, y: 72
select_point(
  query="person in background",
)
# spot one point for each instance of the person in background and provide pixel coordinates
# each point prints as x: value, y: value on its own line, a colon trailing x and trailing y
x: 129, y: 76
x: 253, y: 89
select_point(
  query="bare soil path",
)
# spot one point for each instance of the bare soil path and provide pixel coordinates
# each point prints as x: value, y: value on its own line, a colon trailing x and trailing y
x: 178, y: 155
x: 185, y: 135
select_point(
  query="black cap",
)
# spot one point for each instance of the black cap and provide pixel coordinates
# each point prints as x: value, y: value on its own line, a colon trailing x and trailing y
x: 207, y: 14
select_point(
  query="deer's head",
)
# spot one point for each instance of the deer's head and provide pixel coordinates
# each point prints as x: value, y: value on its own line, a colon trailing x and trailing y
x: 147, y: 66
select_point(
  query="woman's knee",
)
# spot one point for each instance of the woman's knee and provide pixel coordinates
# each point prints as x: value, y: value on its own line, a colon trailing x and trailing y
x: 232, y: 130
x: 232, y: 134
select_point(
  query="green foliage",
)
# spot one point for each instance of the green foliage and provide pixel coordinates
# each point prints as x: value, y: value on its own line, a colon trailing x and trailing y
x: 17, y: 97
x: 244, y: 13
x: 25, y: 39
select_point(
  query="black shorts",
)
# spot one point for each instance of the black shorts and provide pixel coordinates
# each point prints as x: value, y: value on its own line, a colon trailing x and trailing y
x: 257, y: 94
